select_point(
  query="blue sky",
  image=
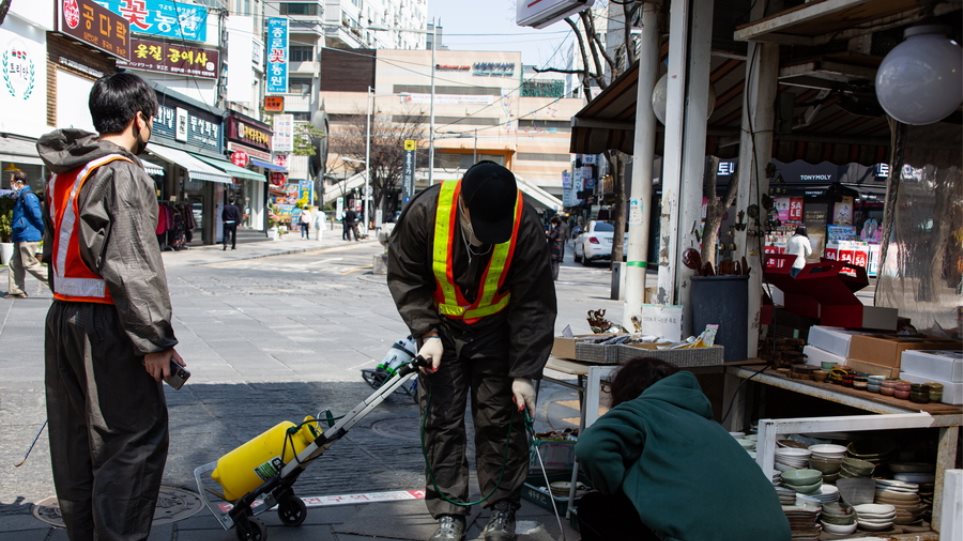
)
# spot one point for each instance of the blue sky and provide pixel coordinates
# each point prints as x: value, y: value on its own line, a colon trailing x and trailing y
x: 496, y: 18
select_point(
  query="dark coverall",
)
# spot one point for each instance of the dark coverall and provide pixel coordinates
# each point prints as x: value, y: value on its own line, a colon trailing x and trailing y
x: 107, y: 416
x: 480, y: 360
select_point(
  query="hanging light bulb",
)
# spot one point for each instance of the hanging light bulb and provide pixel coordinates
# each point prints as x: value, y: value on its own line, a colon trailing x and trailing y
x: 659, y: 98
x: 921, y: 80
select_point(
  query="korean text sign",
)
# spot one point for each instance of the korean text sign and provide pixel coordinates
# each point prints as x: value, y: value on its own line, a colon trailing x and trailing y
x: 177, y: 58
x: 277, y: 55
x: 94, y: 25
x: 165, y: 18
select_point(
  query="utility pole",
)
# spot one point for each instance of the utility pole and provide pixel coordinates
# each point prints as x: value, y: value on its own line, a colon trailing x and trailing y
x: 431, y: 106
x: 367, y: 162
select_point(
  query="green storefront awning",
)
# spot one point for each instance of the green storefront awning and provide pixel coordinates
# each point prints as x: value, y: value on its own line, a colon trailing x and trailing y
x: 231, y: 169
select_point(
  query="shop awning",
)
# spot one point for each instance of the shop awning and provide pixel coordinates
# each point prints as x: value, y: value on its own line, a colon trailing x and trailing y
x: 268, y: 165
x: 19, y: 151
x: 231, y: 169
x: 152, y: 168
x: 196, y: 169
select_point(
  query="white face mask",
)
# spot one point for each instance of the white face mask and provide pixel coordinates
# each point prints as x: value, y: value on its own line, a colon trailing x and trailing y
x: 466, y: 225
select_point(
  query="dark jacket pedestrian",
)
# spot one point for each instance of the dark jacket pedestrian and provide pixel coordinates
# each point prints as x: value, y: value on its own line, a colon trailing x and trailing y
x: 27, y: 229
x: 230, y: 216
x: 665, y: 470
x: 348, y: 224
x: 109, y: 340
x: 468, y: 268
x: 556, y: 244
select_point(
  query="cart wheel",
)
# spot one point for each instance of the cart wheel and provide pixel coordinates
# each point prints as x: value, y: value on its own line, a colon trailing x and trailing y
x: 251, y: 530
x: 292, y: 511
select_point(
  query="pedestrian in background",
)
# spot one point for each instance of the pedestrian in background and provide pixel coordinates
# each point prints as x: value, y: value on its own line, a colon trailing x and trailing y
x: 556, y: 244
x: 800, y: 247
x: 27, y: 232
x: 230, y: 216
x: 347, y: 224
x: 306, y: 220
x: 108, y: 340
x: 468, y: 268
x: 665, y: 469
x: 320, y: 223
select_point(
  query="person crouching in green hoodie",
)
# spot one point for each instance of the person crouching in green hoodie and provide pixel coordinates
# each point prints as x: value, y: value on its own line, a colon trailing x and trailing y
x: 664, y: 469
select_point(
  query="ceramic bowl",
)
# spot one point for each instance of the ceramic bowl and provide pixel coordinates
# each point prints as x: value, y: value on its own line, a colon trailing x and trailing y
x: 828, y: 467
x: 858, y: 466
x: 875, y: 526
x: 903, y: 395
x: 839, y: 529
x: 802, y: 477
x: 869, y: 509
x: 828, y: 450
x: 806, y: 489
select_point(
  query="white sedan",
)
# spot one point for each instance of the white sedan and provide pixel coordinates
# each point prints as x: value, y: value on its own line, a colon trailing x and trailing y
x: 595, y: 243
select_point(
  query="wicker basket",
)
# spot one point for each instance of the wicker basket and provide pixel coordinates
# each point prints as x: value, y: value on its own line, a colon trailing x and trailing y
x: 683, y: 358
x: 588, y: 352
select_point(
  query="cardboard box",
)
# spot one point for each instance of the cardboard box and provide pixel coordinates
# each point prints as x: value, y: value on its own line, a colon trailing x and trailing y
x: 946, y: 365
x: 883, y: 349
x: 834, y: 340
x: 952, y: 391
x: 863, y: 367
x: 563, y: 347
x: 816, y: 357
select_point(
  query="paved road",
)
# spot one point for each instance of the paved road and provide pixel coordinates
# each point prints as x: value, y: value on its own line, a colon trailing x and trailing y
x: 272, y: 331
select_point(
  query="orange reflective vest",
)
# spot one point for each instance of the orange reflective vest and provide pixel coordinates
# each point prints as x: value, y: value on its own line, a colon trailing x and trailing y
x: 73, y: 280
x: 449, y: 299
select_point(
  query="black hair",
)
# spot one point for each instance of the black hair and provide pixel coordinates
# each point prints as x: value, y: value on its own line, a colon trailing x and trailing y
x: 801, y: 230
x: 19, y: 176
x: 555, y: 220
x: 638, y: 375
x: 116, y: 99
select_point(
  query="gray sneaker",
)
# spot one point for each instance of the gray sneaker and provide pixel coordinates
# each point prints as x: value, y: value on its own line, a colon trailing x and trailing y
x: 450, y: 528
x: 501, y: 525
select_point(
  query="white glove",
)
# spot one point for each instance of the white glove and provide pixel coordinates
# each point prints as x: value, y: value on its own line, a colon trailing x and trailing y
x: 432, y: 349
x: 523, y: 392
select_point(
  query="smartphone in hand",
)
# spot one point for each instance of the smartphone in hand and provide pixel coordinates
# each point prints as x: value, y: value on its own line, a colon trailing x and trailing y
x: 178, y: 376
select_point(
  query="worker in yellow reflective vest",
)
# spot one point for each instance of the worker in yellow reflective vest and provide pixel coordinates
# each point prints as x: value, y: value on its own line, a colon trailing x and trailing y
x: 468, y: 267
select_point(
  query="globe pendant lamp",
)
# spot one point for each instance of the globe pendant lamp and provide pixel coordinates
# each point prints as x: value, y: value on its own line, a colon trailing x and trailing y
x: 660, y: 97
x: 921, y: 80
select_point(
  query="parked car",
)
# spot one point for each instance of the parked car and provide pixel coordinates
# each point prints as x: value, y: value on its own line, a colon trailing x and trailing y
x: 595, y: 243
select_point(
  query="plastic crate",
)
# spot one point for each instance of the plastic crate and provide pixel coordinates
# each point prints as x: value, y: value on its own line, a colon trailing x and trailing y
x: 535, y: 491
x: 556, y: 455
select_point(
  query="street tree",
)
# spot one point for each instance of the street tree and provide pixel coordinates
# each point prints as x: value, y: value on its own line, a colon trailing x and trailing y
x: 387, y: 158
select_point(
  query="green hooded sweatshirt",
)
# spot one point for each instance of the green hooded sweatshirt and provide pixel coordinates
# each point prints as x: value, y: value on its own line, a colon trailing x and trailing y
x: 687, y: 477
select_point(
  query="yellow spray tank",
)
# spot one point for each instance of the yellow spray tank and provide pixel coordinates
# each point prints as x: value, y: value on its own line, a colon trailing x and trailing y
x: 248, y: 466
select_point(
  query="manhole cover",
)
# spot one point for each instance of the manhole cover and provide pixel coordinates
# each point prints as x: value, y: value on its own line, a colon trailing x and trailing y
x: 173, y: 504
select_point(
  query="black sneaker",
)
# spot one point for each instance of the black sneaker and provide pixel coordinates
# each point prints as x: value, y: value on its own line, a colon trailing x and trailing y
x: 450, y: 528
x: 501, y: 525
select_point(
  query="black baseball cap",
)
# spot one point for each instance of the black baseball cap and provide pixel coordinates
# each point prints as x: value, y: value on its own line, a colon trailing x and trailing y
x: 489, y: 191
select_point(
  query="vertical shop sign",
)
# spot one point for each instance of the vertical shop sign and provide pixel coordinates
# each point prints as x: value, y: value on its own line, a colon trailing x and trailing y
x: 795, y: 209
x: 283, y: 133
x: 167, y: 18
x: 277, y: 55
x: 408, y: 174
x: 180, y: 133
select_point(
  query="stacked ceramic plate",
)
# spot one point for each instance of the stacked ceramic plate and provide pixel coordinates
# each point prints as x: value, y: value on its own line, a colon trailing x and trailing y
x: 803, y: 481
x: 871, y: 451
x: 904, y: 497
x: 825, y: 495
x: 787, y: 496
x: 803, y: 522
x: 838, y: 519
x: 792, y: 458
x: 827, y: 458
x: 875, y: 517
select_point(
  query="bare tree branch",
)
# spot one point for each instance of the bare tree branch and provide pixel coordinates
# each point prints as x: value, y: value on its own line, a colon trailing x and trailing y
x: 586, y: 85
x: 589, y: 26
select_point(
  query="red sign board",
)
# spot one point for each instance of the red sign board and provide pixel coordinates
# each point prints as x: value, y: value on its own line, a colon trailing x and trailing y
x: 278, y: 179
x: 274, y: 104
x: 281, y: 159
x: 796, y: 209
x: 94, y: 25
x: 249, y: 132
x: 240, y: 158
x: 176, y: 58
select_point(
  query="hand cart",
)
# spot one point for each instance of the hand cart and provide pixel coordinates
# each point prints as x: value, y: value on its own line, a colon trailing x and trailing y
x: 278, y: 490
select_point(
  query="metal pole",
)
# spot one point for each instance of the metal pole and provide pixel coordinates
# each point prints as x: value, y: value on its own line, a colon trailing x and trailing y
x: 431, y: 108
x: 643, y: 154
x: 367, y: 161
x: 474, y: 156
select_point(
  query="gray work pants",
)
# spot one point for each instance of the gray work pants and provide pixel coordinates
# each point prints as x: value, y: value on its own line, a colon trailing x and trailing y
x: 475, y: 367
x: 24, y: 260
x: 108, y: 424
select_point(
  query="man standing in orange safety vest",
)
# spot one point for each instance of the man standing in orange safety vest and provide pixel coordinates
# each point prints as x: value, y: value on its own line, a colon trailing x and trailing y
x: 108, y: 339
x: 468, y: 267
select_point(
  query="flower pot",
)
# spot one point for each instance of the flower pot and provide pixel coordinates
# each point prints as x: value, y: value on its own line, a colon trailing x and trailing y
x: 6, y: 252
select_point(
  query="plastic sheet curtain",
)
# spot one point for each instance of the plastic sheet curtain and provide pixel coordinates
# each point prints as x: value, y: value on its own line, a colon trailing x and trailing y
x: 922, y: 273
